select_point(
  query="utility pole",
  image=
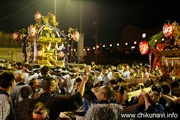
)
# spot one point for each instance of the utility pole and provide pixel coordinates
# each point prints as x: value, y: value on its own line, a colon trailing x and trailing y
x: 81, y: 5
x: 96, y: 25
x: 55, y: 7
x: 81, y: 40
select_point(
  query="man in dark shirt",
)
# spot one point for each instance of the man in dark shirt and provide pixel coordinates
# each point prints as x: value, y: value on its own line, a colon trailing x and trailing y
x: 57, y: 104
x: 7, y: 81
x: 106, y: 110
x: 21, y: 96
x: 151, y: 100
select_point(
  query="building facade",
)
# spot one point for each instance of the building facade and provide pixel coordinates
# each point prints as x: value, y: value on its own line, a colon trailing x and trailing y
x: 10, y: 50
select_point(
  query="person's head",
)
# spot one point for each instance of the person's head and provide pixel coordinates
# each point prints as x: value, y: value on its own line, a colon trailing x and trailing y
x: 7, y: 80
x: 98, y: 84
x: 72, y: 73
x: 114, y: 71
x: 104, y: 70
x: 155, y: 94
x: 116, y: 76
x: 105, y: 93
x: 58, y: 70
x: 34, y: 83
x: 118, y: 93
x: 64, y: 71
x: 88, y: 68
x: 90, y: 80
x: 45, y: 70
x: 36, y: 68
x: 30, y: 70
x: 165, y: 89
x: 19, y: 65
x: 120, y: 80
x: 112, y: 83
x: 25, y: 67
x: 49, y: 84
x: 40, y: 112
x: 97, y: 72
x: 175, y: 88
x: 19, y: 77
x: 78, y: 83
x: 132, y: 75
x: 120, y: 67
x: 126, y: 67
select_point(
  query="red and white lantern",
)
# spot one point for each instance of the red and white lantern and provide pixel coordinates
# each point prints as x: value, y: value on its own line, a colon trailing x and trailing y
x: 40, y: 53
x: 167, y: 30
x: 75, y: 36
x: 38, y: 17
x: 16, y: 36
x: 31, y: 31
x: 143, y: 47
x: 61, y: 54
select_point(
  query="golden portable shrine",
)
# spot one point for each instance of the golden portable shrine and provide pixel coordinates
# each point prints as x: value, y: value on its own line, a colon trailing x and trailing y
x: 165, y: 46
x: 45, y: 43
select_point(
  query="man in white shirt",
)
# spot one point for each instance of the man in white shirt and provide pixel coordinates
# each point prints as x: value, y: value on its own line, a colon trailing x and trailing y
x: 126, y: 73
x: 72, y: 78
x: 105, y: 75
x: 97, y: 76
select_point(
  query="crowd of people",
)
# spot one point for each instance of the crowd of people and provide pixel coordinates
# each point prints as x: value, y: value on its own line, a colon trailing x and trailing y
x: 86, y: 92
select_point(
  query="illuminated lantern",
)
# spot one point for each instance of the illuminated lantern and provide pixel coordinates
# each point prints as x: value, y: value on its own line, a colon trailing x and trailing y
x: 16, y: 36
x: 167, y: 30
x: 75, y: 36
x: 143, y: 47
x: 38, y: 17
x: 160, y: 47
x: 40, y: 53
x: 61, y: 54
x: 31, y: 31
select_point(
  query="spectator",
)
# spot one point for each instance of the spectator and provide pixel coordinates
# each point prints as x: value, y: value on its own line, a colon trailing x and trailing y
x: 120, y: 69
x: 151, y: 100
x: 19, y: 79
x: 7, y: 82
x: 112, y: 83
x: 166, y: 95
x: 18, y: 67
x: 126, y: 72
x: 21, y: 96
x: 40, y: 112
x: 97, y: 76
x: 34, y: 85
x: 30, y: 74
x: 72, y: 78
x: 44, y: 73
x: 120, y: 95
x: 105, y: 110
x: 77, y: 85
x: 105, y: 75
x: 24, y: 70
x: 59, y: 104
x: 90, y: 81
x: 175, y: 88
x: 36, y: 70
x: 95, y: 111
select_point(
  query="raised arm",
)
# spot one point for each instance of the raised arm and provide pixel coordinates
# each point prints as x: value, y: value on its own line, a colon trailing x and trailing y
x: 82, y: 86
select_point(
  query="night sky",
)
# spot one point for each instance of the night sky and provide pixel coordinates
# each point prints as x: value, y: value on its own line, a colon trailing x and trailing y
x: 114, y: 15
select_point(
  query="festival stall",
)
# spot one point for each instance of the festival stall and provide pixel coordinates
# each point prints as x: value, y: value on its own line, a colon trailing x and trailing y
x: 44, y: 43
